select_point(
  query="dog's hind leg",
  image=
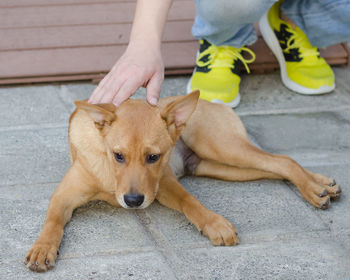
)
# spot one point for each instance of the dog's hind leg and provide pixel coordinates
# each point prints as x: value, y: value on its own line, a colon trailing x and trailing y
x: 329, y: 184
x: 213, y: 169
x: 70, y: 194
x: 171, y: 194
x: 248, y: 156
x: 226, y: 172
x: 215, y: 133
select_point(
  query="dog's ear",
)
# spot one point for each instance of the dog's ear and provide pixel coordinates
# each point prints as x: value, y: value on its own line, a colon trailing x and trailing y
x: 102, y: 114
x: 177, y: 113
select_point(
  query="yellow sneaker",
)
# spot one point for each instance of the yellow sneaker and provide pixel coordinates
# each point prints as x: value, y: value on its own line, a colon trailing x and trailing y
x: 302, y: 68
x: 217, y: 73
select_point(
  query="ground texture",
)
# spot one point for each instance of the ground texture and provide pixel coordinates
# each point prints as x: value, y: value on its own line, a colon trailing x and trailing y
x: 282, y: 237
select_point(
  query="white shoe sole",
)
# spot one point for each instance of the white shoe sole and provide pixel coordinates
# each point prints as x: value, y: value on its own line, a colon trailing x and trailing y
x: 233, y: 104
x: 271, y: 40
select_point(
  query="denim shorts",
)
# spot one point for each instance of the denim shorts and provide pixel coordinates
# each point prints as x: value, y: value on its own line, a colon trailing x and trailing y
x: 230, y: 22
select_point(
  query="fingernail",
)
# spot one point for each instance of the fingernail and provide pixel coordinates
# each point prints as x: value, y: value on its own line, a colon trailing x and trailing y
x: 153, y: 101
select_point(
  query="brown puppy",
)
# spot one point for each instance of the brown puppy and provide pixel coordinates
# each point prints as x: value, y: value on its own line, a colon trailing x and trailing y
x: 133, y: 154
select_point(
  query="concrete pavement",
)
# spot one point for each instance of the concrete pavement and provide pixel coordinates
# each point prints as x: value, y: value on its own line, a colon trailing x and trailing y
x: 282, y: 237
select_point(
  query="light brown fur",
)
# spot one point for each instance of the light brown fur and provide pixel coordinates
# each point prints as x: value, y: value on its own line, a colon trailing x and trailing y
x: 214, y: 144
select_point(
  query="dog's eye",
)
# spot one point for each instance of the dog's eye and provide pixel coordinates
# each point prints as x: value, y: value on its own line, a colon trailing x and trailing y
x: 152, y: 158
x: 119, y: 157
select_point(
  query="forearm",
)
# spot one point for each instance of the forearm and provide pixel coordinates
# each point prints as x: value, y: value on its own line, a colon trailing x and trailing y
x: 142, y: 63
x: 149, y: 22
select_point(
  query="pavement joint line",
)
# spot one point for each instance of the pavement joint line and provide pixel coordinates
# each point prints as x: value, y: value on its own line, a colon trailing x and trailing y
x: 29, y: 185
x: 241, y: 114
x: 290, y: 236
x: 34, y: 127
x: 63, y: 101
x: 286, y: 236
x: 251, y: 242
x: 293, y: 111
x: 64, y: 89
x: 161, y: 244
x: 122, y: 252
x: 41, y: 126
x: 115, y: 252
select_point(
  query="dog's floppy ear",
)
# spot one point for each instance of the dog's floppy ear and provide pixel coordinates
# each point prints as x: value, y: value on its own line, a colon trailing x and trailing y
x: 177, y: 113
x: 102, y: 114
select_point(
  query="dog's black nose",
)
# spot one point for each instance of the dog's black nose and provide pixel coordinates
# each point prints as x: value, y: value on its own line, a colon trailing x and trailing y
x: 134, y: 199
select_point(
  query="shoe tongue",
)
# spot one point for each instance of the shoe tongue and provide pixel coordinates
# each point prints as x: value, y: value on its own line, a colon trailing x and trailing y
x: 304, y: 41
x: 225, y: 56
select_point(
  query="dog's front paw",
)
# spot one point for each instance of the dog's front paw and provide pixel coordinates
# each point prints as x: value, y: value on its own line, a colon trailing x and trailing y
x: 41, y: 257
x: 220, y: 231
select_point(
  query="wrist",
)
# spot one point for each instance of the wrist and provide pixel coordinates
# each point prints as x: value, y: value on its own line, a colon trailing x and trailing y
x: 144, y: 39
x: 144, y: 45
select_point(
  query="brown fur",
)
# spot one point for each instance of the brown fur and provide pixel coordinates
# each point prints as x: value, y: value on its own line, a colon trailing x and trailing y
x: 214, y: 143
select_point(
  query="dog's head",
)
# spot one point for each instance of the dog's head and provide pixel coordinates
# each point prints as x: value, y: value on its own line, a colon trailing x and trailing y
x: 131, y: 145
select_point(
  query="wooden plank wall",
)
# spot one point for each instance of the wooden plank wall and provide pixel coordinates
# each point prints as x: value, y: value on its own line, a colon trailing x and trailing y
x: 57, y: 40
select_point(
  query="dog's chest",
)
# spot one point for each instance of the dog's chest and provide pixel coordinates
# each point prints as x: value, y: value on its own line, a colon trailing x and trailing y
x: 183, y: 160
x: 177, y: 164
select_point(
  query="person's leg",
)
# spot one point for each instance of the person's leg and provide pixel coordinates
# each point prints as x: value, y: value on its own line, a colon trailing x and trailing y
x: 223, y: 28
x: 302, y: 68
x: 325, y: 22
x: 227, y: 22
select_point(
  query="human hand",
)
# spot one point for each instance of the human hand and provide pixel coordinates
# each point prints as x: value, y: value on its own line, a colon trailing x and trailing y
x: 138, y: 66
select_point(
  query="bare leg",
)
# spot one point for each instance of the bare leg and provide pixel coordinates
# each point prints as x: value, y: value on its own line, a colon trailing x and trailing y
x: 219, y: 230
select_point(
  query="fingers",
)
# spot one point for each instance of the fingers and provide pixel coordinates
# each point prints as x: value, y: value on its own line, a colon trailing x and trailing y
x: 99, y: 91
x: 133, y: 70
x: 153, y: 88
x: 110, y: 89
x: 117, y: 90
x: 127, y: 89
x: 106, y: 89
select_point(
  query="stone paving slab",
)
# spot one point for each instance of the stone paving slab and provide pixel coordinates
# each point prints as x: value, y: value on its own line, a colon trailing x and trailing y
x: 75, y: 91
x: 343, y: 238
x: 299, y: 259
x: 94, y: 228
x: 140, y: 265
x: 326, y: 131
x: 30, y: 105
x: 260, y: 210
x: 338, y: 215
x: 56, y: 101
x: 98, y: 227
x: 33, y: 156
x: 255, y: 99
x: 282, y: 236
x: 342, y: 75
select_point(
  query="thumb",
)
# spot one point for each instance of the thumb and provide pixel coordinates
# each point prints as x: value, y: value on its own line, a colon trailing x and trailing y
x: 153, y: 89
